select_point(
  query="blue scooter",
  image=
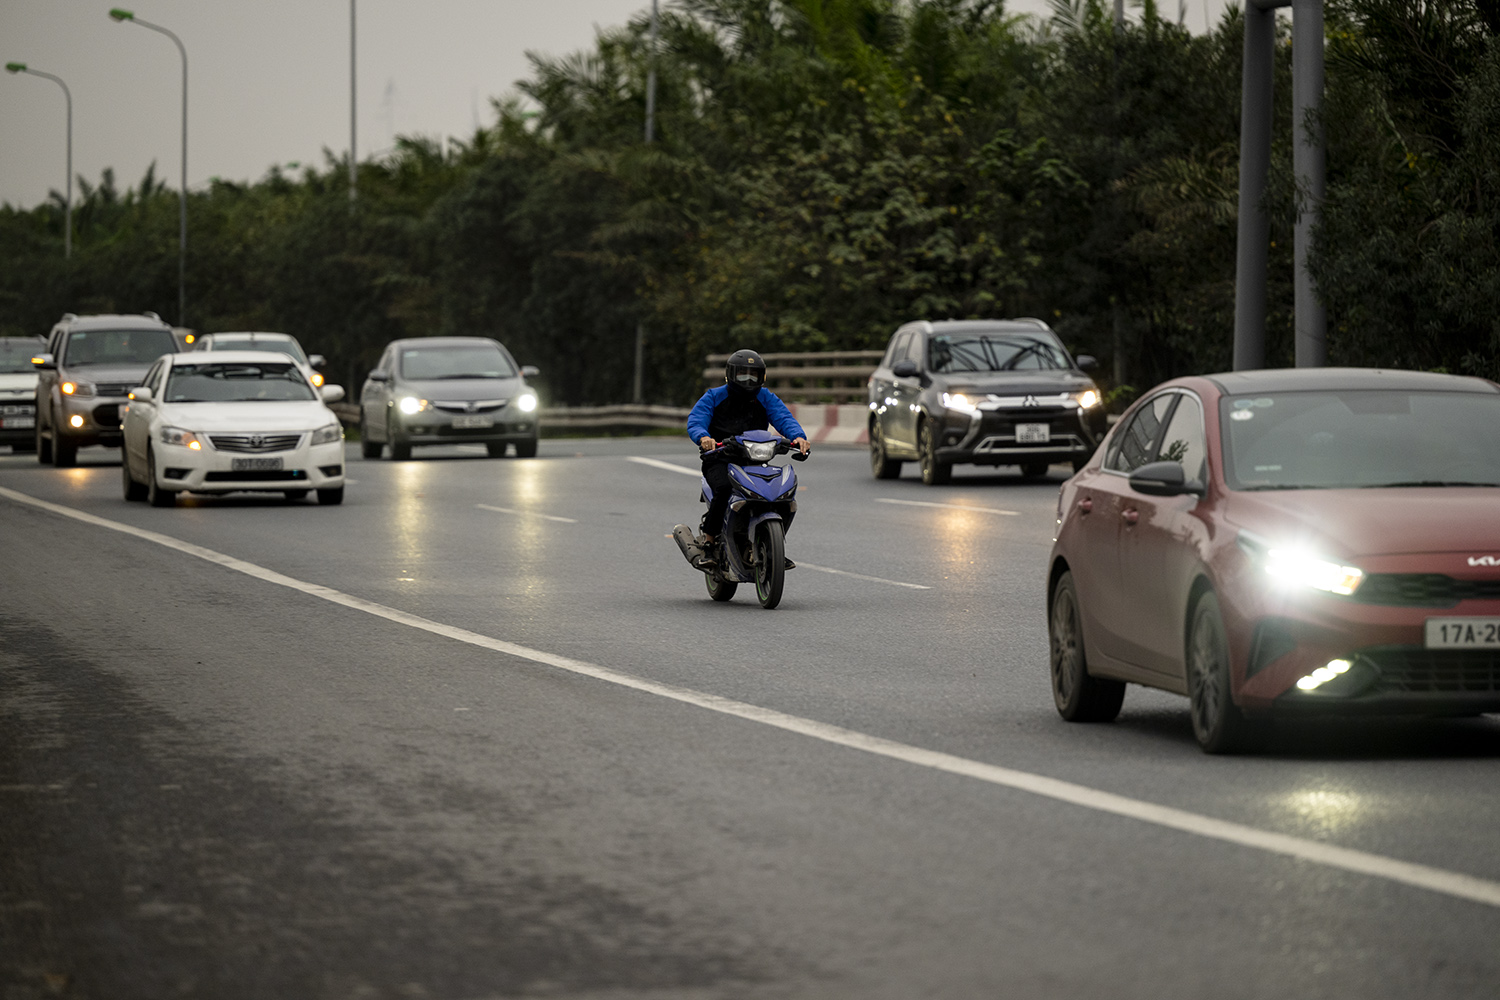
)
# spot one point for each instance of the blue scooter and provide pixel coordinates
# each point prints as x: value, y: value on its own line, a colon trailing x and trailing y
x: 752, y: 545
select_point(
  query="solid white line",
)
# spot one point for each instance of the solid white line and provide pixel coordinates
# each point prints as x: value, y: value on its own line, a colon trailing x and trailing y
x: 951, y: 506
x: 525, y: 513
x: 1438, y: 880
x: 657, y: 463
x: 861, y: 576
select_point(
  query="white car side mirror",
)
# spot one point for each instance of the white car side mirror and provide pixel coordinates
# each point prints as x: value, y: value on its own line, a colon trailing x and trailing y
x: 332, y: 393
x: 141, y: 394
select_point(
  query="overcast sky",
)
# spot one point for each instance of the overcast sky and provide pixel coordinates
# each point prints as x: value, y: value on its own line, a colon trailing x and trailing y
x: 269, y: 79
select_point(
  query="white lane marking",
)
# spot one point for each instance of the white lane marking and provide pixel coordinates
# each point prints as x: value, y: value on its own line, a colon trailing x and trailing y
x: 1437, y: 880
x: 860, y: 576
x: 525, y: 513
x: 951, y: 506
x: 657, y: 463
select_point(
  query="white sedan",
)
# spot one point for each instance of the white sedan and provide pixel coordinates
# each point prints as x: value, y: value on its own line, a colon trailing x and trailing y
x: 226, y: 421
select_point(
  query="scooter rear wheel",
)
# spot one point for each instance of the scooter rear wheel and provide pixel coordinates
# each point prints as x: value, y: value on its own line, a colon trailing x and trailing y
x: 770, y: 563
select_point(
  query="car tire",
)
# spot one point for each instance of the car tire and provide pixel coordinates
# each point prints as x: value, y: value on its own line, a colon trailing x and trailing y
x: 368, y: 448
x: 64, y: 452
x: 331, y: 497
x: 526, y: 449
x: 400, y: 451
x: 292, y: 496
x: 1079, y: 697
x: 496, y: 449
x: 1218, y: 723
x: 882, y: 466
x: 43, y: 445
x: 934, y: 471
x: 155, y: 495
x: 1034, y: 470
x: 133, y: 490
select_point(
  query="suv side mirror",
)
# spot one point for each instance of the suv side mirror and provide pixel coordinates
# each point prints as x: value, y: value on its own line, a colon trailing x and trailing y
x: 44, y: 361
x: 1164, y: 479
x: 904, y: 369
x: 332, y: 393
x: 317, y: 360
x: 1087, y: 362
x: 141, y: 394
x: 380, y: 375
x: 530, y: 371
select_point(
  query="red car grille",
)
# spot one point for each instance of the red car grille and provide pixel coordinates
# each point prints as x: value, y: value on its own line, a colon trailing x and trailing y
x: 1411, y: 669
x: 1424, y: 590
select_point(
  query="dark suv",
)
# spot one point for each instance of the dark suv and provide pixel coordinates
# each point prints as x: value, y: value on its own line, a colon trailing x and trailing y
x: 987, y: 392
x: 85, y: 371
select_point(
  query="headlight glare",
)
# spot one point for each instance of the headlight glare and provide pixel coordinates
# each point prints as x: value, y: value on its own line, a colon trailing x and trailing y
x: 526, y: 403
x: 1292, y: 567
x: 1087, y: 399
x: 411, y: 404
x: 181, y: 438
x: 328, y: 435
x: 958, y: 401
x: 78, y: 388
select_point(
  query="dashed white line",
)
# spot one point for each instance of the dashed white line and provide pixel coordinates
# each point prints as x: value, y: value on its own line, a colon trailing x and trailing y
x: 951, y: 506
x: 1439, y: 880
x: 525, y: 513
x: 861, y: 576
x: 657, y: 463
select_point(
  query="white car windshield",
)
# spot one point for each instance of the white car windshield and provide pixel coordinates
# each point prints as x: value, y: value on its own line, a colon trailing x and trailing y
x: 16, y: 355
x: 237, y: 382
x: 1361, y: 439
x: 467, y: 361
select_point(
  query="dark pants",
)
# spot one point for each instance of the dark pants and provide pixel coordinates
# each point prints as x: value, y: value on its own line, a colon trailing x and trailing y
x: 717, y: 474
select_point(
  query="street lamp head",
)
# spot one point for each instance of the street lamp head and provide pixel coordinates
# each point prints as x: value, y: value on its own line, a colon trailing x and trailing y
x: 121, y: 14
x: 14, y: 67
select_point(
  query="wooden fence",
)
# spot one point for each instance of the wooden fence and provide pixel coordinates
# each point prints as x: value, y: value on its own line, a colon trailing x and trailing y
x: 810, y: 376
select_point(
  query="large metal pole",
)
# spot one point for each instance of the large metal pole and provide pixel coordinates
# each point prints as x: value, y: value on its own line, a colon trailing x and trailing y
x: 1308, y: 164
x: 1255, y: 164
x: 353, y: 119
x: 68, y: 185
x: 637, y: 394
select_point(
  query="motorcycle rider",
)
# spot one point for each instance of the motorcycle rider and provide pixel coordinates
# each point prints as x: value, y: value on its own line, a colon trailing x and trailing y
x: 741, y: 404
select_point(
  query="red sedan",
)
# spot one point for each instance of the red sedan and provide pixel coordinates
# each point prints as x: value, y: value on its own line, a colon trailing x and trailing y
x: 1283, y: 542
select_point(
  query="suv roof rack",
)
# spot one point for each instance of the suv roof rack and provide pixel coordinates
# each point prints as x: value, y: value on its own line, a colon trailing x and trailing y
x: 151, y: 315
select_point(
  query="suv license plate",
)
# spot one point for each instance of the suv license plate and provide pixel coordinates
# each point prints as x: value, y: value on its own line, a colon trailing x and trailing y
x: 255, y: 465
x: 17, y: 423
x: 1463, y: 633
x: 471, y: 422
x: 1033, y: 434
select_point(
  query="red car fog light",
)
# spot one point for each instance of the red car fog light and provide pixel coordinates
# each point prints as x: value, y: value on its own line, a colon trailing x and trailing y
x: 1324, y: 674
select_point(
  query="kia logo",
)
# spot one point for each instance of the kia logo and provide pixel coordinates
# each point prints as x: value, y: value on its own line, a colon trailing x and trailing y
x: 1483, y: 561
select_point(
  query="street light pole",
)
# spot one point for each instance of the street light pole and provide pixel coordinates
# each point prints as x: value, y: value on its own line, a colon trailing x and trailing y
x: 352, y: 117
x: 17, y: 67
x: 636, y: 395
x: 120, y: 14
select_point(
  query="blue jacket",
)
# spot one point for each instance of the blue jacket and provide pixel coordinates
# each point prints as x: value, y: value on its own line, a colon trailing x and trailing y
x: 718, y: 416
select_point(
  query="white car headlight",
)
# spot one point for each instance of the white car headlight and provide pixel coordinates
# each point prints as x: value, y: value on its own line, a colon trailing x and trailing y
x: 526, y: 403
x: 328, y: 435
x: 958, y: 401
x: 411, y: 404
x: 181, y: 438
x: 1087, y: 399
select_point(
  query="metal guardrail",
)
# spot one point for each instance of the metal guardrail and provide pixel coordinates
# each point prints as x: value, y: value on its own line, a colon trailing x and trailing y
x: 603, y: 419
x: 809, y: 376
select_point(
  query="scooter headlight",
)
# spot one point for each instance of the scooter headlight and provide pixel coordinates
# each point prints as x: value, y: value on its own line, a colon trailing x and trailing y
x: 761, y: 451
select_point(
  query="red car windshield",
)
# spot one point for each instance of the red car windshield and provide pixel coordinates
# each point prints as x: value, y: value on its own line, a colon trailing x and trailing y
x: 1360, y: 439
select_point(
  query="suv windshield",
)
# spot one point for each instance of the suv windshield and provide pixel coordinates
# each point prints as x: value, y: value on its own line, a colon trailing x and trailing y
x: 992, y: 352
x: 468, y: 361
x: 237, y: 382
x: 281, y: 345
x: 117, y: 347
x: 1360, y: 439
x: 16, y: 354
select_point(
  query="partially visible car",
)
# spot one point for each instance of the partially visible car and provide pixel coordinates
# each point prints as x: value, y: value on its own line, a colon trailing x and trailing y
x: 285, y: 343
x: 85, y: 371
x: 1281, y: 543
x: 18, y: 391
x: 231, y: 421
x: 448, y: 390
x: 986, y: 392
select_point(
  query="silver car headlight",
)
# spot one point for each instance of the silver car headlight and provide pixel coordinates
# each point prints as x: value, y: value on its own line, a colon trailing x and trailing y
x: 181, y: 438
x: 77, y: 387
x: 526, y: 403
x: 411, y: 404
x: 328, y: 435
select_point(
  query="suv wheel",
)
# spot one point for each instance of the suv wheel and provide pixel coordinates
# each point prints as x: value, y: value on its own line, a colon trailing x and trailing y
x: 64, y: 452
x: 934, y: 472
x: 43, y: 446
x: 882, y: 466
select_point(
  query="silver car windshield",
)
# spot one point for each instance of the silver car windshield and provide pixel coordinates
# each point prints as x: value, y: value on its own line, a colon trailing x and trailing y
x: 468, y: 361
x: 117, y: 347
x: 237, y: 382
x: 281, y: 345
x: 992, y: 352
x: 1360, y: 439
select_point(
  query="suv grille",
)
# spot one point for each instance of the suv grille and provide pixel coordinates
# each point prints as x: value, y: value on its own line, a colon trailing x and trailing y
x: 1406, y: 669
x: 255, y: 443
x: 1424, y: 590
x: 114, y: 388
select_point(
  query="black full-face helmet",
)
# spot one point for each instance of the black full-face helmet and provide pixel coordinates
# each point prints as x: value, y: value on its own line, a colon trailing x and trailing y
x: 745, y: 370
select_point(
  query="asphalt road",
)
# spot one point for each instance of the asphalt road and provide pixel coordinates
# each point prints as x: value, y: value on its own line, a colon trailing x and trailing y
x: 486, y: 736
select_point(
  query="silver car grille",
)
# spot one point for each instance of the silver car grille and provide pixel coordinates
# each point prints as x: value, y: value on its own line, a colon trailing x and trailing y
x: 477, y: 406
x: 255, y: 443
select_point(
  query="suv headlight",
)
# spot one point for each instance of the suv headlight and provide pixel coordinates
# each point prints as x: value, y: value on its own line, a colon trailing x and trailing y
x: 411, y: 404
x: 181, y: 438
x: 77, y: 387
x: 526, y: 403
x: 959, y: 402
x: 1087, y: 399
x: 328, y: 435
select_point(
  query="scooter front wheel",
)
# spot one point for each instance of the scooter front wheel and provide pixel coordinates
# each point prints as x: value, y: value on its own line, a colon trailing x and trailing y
x: 770, y: 563
x: 719, y: 588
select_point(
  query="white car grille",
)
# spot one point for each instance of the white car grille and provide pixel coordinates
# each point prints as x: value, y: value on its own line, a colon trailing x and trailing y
x: 255, y: 443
